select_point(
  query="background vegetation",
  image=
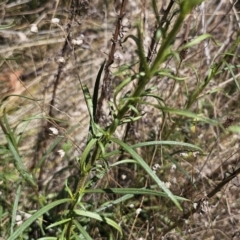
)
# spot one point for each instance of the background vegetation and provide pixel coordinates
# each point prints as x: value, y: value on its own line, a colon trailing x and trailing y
x: 119, y: 119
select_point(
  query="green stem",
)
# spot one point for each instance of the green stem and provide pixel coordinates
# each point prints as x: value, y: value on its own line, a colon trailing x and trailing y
x: 166, y: 43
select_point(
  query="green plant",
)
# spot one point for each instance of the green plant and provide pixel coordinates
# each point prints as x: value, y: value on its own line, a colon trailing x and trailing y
x: 147, y: 121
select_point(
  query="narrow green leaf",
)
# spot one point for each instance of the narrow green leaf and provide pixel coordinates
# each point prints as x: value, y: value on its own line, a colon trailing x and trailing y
x: 99, y: 218
x: 93, y: 128
x: 234, y: 129
x: 123, y: 162
x: 35, y: 216
x: 2, y: 27
x: 115, y: 202
x: 58, y: 223
x: 96, y: 88
x: 88, y: 100
x: 195, y: 41
x: 86, y: 152
x: 118, y: 89
x: 147, y: 169
x: 19, y: 165
x: 134, y: 191
x: 82, y: 230
x: 189, y: 114
x: 8, y: 131
x: 48, y: 238
x: 169, y: 75
x: 68, y: 189
x: 152, y: 143
x: 171, y: 143
x: 227, y: 68
x: 15, y: 207
x: 233, y: 75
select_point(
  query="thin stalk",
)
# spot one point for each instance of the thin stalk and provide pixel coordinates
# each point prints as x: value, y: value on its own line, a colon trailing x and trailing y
x: 166, y: 43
